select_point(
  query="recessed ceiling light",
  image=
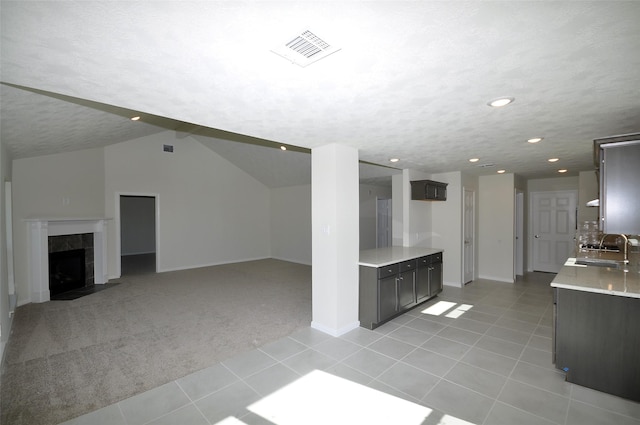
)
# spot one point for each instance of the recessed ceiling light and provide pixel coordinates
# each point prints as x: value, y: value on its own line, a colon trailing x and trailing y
x: 553, y: 159
x: 474, y: 160
x: 562, y: 171
x: 284, y: 148
x: 394, y: 160
x: 502, y: 171
x: 136, y: 118
x: 535, y: 140
x: 501, y: 101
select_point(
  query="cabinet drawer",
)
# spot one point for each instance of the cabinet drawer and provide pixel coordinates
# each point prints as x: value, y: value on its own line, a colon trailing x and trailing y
x: 430, y: 259
x: 387, y: 271
x: 408, y: 265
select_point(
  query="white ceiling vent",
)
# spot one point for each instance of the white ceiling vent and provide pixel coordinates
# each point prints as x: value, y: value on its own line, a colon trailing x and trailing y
x: 305, y: 49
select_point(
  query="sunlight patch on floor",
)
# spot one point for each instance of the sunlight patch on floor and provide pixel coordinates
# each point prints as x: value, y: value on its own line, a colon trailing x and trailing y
x: 459, y: 311
x: 441, y: 307
x: 321, y: 398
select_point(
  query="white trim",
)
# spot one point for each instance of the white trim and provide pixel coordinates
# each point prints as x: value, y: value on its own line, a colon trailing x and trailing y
x: 221, y: 263
x: 306, y: 263
x: 498, y: 279
x: 118, y: 248
x: 39, y: 230
x: 335, y: 332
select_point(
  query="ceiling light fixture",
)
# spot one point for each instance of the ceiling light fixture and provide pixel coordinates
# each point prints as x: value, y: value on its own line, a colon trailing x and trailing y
x: 284, y: 148
x: 502, y: 171
x: 394, y: 160
x: 501, y: 101
x: 553, y: 159
x: 562, y: 171
x: 136, y: 118
x: 535, y: 140
x: 474, y: 160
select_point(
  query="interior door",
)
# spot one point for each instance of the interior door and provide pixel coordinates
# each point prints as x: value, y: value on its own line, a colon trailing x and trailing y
x: 554, y: 227
x: 519, y: 251
x: 468, y: 233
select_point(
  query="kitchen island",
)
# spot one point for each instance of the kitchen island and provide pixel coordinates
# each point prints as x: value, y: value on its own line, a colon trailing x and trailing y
x: 596, y: 338
x: 395, y: 279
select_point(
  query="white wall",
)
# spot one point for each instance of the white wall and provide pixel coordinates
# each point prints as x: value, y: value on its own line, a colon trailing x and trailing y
x: 369, y: 195
x: 291, y: 224
x: 60, y: 185
x: 446, y: 227
x: 210, y: 212
x: 418, y: 232
x: 5, y: 318
x: 553, y: 184
x: 587, y: 191
x: 496, y: 236
x: 137, y: 225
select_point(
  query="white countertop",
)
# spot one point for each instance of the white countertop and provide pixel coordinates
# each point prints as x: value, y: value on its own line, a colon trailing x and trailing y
x: 602, y: 280
x: 381, y: 257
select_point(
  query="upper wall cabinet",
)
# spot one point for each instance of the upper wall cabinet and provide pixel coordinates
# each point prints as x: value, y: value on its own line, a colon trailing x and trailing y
x: 428, y: 190
x: 618, y: 159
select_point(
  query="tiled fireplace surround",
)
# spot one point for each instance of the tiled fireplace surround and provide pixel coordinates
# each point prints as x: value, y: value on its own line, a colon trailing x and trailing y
x: 78, y: 231
x: 84, y: 241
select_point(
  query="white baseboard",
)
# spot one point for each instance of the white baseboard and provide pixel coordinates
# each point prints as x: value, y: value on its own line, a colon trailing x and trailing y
x: 197, y: 266
x: 289, y: 260
x: 335, y: 332
x: 499, y: 279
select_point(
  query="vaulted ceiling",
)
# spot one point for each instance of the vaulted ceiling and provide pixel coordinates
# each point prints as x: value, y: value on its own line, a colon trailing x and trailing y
x: 411, y: 80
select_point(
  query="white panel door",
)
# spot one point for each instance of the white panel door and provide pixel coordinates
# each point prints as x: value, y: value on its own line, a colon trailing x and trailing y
x: 468, y: 233
x: 554, y: 227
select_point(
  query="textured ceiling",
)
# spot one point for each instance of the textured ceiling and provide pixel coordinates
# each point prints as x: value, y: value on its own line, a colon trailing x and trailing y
x: 411, y: 80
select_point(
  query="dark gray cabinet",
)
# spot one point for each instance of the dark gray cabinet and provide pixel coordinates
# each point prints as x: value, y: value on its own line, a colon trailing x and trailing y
x: 406, y: 285
x: 435, y: 278
x: 387, y: 304
x: 619, y: 192
x: 428, y: 277
x: 388, y: 291
x: 428, y: 190
x: 596, y: 341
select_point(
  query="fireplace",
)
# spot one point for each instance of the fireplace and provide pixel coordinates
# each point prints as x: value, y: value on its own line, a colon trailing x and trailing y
x: 40, y: 232
x: 66, y: 271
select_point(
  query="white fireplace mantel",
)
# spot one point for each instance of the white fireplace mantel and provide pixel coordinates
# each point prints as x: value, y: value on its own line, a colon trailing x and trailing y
x: 39, y: 230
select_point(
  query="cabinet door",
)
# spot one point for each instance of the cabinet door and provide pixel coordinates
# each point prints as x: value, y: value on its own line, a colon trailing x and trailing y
x: 406, y: 295
x: 387, y: 297
x: 435, y: 279
x: 422, y: 279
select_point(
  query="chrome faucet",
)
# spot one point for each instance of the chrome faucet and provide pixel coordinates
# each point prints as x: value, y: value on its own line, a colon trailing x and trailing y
x: 625, y: 250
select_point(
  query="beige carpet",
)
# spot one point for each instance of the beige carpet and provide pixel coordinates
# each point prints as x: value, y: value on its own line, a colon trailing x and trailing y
x: 67, y: 358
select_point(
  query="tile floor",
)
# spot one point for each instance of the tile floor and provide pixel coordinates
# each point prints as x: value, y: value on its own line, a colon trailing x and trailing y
x: 490, y: 365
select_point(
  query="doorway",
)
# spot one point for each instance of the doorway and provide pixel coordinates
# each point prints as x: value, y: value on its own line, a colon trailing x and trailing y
x: 553, y: 222
x: 383, y: 222
x: 519, y: 230
x: 468, y: 232
x: 138, y: 241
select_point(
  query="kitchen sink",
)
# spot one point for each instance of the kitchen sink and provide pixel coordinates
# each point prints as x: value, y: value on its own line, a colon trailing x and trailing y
x: 598, y: 262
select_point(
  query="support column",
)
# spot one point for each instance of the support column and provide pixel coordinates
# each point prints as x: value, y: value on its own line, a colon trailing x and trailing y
x: 335, y: 238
